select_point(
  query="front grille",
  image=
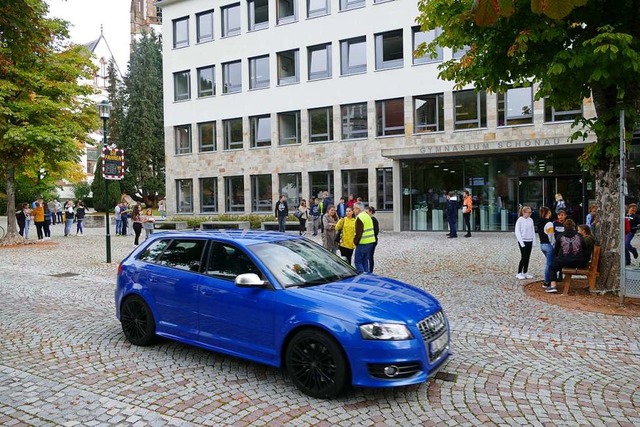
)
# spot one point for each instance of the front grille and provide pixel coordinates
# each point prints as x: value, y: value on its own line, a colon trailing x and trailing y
x: 405, y: 370
x: 432, y: 326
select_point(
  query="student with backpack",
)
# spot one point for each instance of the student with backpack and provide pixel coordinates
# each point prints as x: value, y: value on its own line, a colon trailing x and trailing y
x: 569, y: 251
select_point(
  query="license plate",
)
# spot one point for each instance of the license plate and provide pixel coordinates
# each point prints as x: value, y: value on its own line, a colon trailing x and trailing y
x: 439, y: 343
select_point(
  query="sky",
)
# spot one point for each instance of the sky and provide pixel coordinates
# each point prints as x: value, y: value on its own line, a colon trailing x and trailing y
x: 86, y: 16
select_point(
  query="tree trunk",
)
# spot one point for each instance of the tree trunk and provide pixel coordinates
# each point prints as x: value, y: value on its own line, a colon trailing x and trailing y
x: 608, y: 227
x: 12, y: 235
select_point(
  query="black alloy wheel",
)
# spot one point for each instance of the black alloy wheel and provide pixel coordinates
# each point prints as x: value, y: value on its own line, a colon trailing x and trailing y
x: 137, y: 321
x: 316, y: 364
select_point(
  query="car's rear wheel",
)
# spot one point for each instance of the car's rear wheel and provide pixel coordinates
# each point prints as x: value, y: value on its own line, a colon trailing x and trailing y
x: 137, y: 321
x: 316, y: 364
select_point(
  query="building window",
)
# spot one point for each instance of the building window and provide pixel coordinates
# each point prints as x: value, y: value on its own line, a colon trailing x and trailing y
x: 232, y: 134
x: 287, y: 11
x: 353, y: 56
x: 288, y: 68
x: 319, y: 182
x: 231, y: 20
x: 259, y: 72
x: 209, y: 194
x: 427, y: 37
x: 457, y: 54
x: 204, y: 26
x: 356, y: 182
x: 470, y: 109
x: 289, y: 127
x: 207, y: 136
x: 321, y: 124
x: 183, y: 139
x: 181, y: 32
x: 291, y: 186
x: 317, y: 8
x: 389, y: 50
x: 384, y: 189
x: 258, y: 14
x: 319, y: 61
x: 232, y: 77
x: 260, y: 131
x: 234, y: 193
x: 206, y: 81
x: 390, y: 117
x: 354, y: 121
x: 428, y: 113
x: 351, y: 4
x: 551, y: 114
x: 184, y: 195
x: 261, y: 193
x: 181, y: 86
x: 515, y: 107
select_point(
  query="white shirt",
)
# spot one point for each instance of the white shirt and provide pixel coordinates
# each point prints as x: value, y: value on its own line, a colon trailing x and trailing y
x: 525, y: 230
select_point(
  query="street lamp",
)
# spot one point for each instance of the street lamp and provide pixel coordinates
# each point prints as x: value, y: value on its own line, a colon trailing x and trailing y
x: 104, y: 108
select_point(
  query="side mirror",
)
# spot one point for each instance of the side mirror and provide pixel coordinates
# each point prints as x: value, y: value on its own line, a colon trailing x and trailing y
x: 249, y: 280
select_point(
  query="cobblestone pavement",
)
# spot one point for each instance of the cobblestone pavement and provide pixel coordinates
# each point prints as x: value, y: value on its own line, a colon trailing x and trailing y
x: 518, y: 361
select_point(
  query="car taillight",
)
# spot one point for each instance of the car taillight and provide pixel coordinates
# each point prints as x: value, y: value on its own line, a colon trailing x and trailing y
x: 119, y: 268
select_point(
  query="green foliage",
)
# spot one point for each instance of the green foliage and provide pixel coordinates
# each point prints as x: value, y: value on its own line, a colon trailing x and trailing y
x: 81, y: 190
x: 254, y: 219
x: 98, y: 188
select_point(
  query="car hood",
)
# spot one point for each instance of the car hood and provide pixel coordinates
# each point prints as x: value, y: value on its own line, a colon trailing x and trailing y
x: 368, y: 297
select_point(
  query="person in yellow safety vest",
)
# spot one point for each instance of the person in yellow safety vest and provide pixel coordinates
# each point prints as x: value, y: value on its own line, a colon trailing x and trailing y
x: 364, y: 238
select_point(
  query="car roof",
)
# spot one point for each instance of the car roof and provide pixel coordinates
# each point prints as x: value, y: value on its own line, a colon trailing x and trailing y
x: 243, y: 237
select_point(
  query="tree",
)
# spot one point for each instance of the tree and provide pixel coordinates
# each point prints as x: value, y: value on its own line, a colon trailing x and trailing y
x: 141, y: 131
x: 593, y: 51
x: 45, y: 115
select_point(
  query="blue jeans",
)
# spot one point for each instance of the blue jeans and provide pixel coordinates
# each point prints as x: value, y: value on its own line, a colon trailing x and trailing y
x: 27, y: 224
x: 118, y: 226
x: 282, y: 221
x: 628, y: 249
x: 547, y: 250
x: 79, y: 226
x: 453, y: 226
x: 67, y: 226
x: 362, y: 256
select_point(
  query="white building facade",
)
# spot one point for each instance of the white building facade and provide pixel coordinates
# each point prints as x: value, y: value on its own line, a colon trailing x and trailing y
x: 295, y: 97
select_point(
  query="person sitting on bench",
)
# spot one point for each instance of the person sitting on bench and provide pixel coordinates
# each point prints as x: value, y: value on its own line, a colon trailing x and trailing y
x: 569, y: 252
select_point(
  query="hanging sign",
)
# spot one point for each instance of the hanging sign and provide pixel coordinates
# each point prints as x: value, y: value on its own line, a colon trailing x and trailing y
x: 112, y: 163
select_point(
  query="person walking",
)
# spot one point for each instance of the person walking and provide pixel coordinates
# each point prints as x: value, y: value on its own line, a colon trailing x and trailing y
x: 452, y: 214
x: 467, y: 207
x: 80, y: 213
x: 147, y: 223
x: 303, y: 216
x: 68, y: 217
x: 48, y: 217
x: 376, y: 229
x: 568, y: 251
x: 281, y: 213
x: 347, y: 228
x: 136, y: 219
x: 329, y: 223
x: 38, y: 218
x: 525, y: 233
x: 364, y: 238
x: 314, y: 212
x: 544, y: 228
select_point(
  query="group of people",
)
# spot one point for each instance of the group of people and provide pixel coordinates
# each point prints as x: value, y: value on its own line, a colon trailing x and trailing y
x: 562, y: 242
x: 43, y: 215
x: 453, y: 204
x: 347, y: 227
x: 139, y: 221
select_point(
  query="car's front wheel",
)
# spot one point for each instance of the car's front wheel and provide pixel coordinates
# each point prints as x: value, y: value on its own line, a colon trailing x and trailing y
x: 316, y: 364
x: 137, y: 321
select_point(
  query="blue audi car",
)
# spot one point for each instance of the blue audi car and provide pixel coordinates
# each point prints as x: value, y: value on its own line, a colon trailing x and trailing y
x: 284, y: 301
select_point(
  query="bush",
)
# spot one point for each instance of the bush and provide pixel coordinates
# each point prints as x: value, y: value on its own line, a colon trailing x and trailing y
x: 254, y: 219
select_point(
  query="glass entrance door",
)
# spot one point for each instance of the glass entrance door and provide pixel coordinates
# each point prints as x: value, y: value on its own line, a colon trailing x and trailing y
x: 540, y: 191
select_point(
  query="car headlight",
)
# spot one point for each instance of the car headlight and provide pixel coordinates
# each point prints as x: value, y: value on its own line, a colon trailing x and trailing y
x: 385, y: 331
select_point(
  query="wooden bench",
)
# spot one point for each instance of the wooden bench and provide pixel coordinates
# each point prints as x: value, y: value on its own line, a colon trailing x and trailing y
x: 170, y: 225
x: 273, y: 225
x: 591, y: 271
x: 216, y: 225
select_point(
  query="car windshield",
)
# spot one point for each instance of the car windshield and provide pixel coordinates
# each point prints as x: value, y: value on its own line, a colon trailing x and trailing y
x: 301, y: 263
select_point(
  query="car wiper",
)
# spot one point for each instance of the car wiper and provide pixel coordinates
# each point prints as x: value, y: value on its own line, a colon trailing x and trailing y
x: 322, y: 281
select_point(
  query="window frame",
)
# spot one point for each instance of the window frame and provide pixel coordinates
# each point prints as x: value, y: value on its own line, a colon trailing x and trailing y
x: 251, y: 16
x: 206, y: 38
x: 317, y: 48
x: 282, y: 140
x: 429, y: 36
x: 226, y: 30
x: 256, y: 192
x: 286, y: 19
x: 345, y: 49
x: 318, y: 12
x: 384, y: 189
x: 228, y: 190
x: 382, y: 118
x: 345, y: 125
x: 352, y: 4
x: 550, y: 113
x: 254, y: 125
x: 347, y: 176
x: 206, y: 148
x: 178, y: 139
x: 502, y: 104
x: 321, y: 187
x: 329, y: 122
x: 209, y: 208
x: 225, y: 77
x: 296, y: 177
x: 179, y: 201
x: 227, y: 125
x: 179, y: 97
x: 201, y: 92
x: 438, y: 124
x: 180, y: 43
x: 381, y: 63
x: 295, y: 78
x: 481, y: 111
x: 254, y: 83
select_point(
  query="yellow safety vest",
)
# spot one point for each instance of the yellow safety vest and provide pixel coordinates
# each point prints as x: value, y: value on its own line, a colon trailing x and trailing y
x: 368, y: 235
